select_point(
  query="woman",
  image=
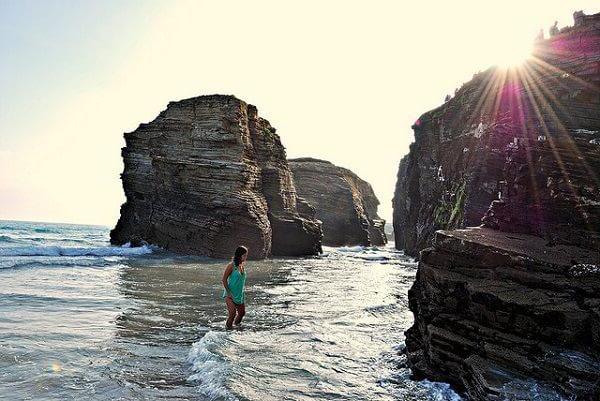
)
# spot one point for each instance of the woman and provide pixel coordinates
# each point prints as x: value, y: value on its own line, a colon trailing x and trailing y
x: 234, y: 280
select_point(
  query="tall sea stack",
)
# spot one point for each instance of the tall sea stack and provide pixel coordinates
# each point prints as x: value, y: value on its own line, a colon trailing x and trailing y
x: 207, y: 175
x: 345, y: 203
x: 513, y: 306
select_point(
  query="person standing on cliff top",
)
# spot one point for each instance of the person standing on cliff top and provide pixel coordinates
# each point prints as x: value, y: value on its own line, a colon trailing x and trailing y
x: 554, y: 29
x: 540, y: 36
x: 234, y: 282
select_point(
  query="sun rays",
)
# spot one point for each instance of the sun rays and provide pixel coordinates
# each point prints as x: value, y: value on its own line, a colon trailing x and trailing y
x: 530, y: 98
x: 513, y: 55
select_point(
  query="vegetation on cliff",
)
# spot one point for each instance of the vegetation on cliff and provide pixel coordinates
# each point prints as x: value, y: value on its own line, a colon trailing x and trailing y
x: 511, y: 308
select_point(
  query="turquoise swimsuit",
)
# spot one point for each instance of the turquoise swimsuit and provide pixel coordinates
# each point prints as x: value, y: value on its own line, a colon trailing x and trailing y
x: 236, y: 282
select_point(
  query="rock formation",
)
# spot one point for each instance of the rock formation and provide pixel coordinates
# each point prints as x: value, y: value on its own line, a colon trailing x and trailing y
x: 512, y: 307
x: 502, y: 316
x: 345, y: 204
x: 479, y: 147
x: 208, y: 174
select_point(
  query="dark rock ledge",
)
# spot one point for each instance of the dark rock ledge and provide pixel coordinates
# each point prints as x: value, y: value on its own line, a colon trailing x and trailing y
x: 509, y: 310
x: 497, y: 314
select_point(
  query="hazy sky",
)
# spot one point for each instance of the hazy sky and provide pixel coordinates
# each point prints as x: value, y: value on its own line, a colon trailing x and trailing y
x: 340, y: 80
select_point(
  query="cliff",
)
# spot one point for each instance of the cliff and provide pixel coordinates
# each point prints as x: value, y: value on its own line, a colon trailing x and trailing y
x: 511, y: 309
x: 503, y: 316
x: 532, y: 130
x: 345, y: 204
x: 207, y: 175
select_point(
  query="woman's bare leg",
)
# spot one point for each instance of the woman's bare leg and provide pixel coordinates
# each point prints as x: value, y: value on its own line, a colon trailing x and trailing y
x: 230, y: 312
x: 241, y: 311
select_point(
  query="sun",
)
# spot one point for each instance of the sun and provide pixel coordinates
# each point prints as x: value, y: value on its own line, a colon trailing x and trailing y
x: 512, y: 54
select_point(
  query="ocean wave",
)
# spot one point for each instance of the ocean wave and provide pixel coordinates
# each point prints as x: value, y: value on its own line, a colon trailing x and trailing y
x: 210, y: 369
x: 384, y: 254
x: 373, y: 256
x: 6, y: 238
x: 357, y: 248
x: 75, y: 251
x: 23, y: 262
x: 346, y: 250
x: 440, y: 391
x: 24, y: 239
x: 397, y: 379
x: 46, y: 230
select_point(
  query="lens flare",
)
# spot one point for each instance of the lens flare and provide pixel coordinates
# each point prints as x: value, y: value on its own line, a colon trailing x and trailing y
x: 513, y: 55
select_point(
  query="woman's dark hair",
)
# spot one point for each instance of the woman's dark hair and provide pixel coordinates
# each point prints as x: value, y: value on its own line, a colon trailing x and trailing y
x: 239, y: 252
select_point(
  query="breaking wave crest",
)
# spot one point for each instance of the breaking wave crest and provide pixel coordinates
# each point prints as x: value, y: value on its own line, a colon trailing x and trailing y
x: 210, y: 369
x: 383, y: 254
x: 75, y: 251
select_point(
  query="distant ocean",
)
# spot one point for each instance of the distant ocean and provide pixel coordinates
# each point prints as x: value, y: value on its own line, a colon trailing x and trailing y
x: 80, y: 319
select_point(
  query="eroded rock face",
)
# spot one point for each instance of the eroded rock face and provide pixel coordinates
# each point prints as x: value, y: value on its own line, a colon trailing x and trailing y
x: 207, y: 175
x: 501, y: 316
x: 510, y: 309
x: 528, y: 138
x: 345, y: 204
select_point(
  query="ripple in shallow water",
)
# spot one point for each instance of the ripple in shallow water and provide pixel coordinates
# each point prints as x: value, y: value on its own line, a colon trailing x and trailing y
x: 151, y: 326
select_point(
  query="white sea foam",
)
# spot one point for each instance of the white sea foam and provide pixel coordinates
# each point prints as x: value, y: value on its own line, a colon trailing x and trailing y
x: 8, y: 238
x: 384, y: 254
x: 586, y: 131
x: 357, y: 248
x: 210, y: 369
x: 54, y: 261
x: 440, y: 391
x: 75, y: 251
x: 397, y: 380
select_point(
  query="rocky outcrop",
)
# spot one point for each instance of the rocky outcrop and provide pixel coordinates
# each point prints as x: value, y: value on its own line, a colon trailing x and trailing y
x: 551, y: 175
x: 503, y: 316
x: 207, y: 175
x: 533, y: 130
x: 345, y: 204
x: 510, y: 309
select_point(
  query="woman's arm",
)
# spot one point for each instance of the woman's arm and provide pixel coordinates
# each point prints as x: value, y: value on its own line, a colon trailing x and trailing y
x: 226, y: 275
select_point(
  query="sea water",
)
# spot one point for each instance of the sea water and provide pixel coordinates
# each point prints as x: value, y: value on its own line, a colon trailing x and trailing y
x: 80, y: 319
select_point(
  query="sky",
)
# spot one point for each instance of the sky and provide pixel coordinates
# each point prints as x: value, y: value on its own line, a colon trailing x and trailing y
x: 340, y: 80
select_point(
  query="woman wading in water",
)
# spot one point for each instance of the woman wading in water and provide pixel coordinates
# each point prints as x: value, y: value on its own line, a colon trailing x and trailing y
x: 234, y: 281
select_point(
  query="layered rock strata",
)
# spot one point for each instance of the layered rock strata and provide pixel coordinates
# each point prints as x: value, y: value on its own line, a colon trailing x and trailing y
x: 510, y: 309
x: 345, y: 204
x: 503, y: 316
x: 530, y: 133
x: 207, y: 175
